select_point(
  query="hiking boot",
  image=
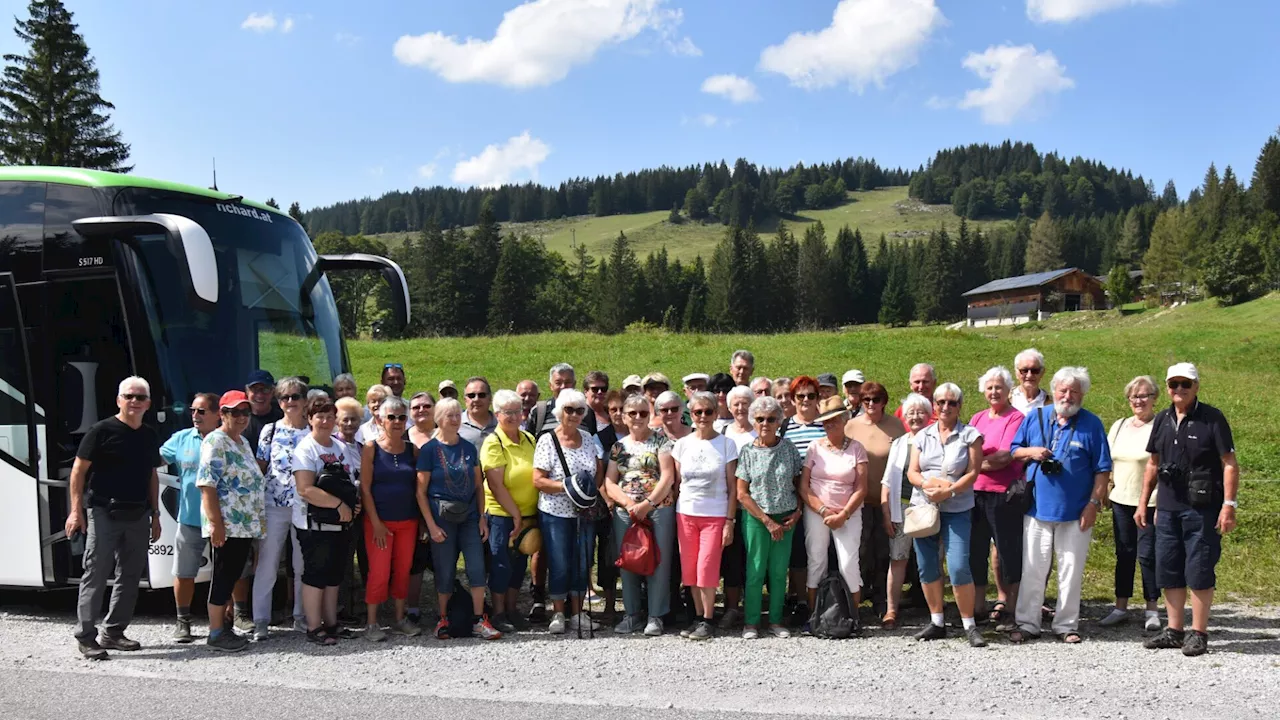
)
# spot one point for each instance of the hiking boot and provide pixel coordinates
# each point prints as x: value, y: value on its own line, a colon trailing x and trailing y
x: 931, y: 632
x: 182, y: 631
x: 442, y: 629
x: 1114, y: 618
x: 503, y: 625
x: 244, y: 624
x: 261, y: 631
x: 375, y: 633
x: 406, y: 628
x: 703, y: 631
x: 974, y: 635
x: 538, y: 613
x: 1196, y: 644
x: 226, y: 641
x: 629, y: 624
x: 556, y: 626
x: 1166, y: 639
x: 485, y: 630
x: 654, y: 627
x: 91, y: 650
x: 750, y: 633
x: 731, y: 619
x: 118, y: 642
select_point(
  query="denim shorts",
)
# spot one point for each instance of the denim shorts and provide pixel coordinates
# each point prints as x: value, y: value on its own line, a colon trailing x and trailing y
x: 954, y: 539
x: 1187, y: 548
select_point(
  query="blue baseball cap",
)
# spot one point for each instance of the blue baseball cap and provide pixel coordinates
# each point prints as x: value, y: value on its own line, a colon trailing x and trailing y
x: 260, y: 377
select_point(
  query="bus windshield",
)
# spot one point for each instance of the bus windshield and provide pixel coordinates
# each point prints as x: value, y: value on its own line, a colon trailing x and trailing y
x: 275, y: 311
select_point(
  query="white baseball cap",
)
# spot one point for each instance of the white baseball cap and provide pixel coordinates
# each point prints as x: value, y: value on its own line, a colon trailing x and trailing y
x: 446, y: 384
x: 631, y: 381
x: 695, y: 376
x: 853, y: 376
x: 1183, y: 370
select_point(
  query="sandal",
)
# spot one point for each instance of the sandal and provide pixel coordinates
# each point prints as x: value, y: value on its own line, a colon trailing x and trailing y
x: 997, y: 612
x: 320, y: 637
x: 1070, y: 637
x: 1018, y: 636
x: 889, y: 621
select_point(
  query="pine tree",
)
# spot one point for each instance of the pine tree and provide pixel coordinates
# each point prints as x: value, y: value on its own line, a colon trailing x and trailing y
x: 271, y: 202
x: 693, y: 318
x: 842, y: 295
x: 938, y: 294
x: 783, y: 254
x: 618, y: 276
x: 478, y: 264
x: 1234, y: 270
x: 1164, y: 266
x: 896, y: 307
x: 1044, y: 249
x: 521, y: 268
x: 1169, y: 198
x: 295, y: 212
x: 50, y: 109
x: 1266, y: 177
x: 1130, y: 245
x: 813, y: 279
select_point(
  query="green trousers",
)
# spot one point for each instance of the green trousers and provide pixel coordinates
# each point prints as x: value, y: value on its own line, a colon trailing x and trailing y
x: 765, y: 559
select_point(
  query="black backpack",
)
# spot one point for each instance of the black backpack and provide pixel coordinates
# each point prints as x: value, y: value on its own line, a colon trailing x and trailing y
x: 458, y: 611
x: 832, y: 617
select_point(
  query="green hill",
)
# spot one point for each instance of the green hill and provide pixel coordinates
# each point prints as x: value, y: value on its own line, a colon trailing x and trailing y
x: 886, y: 210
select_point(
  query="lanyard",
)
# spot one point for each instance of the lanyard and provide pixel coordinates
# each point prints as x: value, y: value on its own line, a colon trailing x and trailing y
x: 1057, y: 433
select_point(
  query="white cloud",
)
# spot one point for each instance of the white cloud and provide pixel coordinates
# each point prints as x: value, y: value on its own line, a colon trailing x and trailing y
x: 259, y: 23
x: 287, y: 25
x: 497, y: 164
x: 346, y: 38
x: 428, y: 171
x: 867, y: 41
x: 937, y: 103
x: 736, y: 89
x: 684, y: 46
x: 537, y: 43
x: 1065, y: 11
x: 1018, y: 78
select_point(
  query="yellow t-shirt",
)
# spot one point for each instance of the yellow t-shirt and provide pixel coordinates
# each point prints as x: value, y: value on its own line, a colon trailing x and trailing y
x: 500, y: 451
x: 1129, y: 461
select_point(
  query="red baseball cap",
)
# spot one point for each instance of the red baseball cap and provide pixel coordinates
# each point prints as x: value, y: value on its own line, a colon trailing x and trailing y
x: 233, y: 398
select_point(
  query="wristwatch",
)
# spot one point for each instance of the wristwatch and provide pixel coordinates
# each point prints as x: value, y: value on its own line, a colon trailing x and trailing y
x: 1096, y: 503
x: 1232, y: 503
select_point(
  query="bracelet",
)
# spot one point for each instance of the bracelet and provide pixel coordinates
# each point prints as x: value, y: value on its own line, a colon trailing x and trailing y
x: 822, y: 510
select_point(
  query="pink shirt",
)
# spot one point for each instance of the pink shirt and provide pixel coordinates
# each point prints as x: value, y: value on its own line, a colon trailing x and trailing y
x: 834, y: 475
x: 997, y: 434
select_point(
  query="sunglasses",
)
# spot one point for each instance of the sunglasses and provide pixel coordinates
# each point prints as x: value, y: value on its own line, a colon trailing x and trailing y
x: 477, y: 395
x: 396, y: 418
x: 806, y: 396
x: 291, y: 397
x: 874, y: 401
x: 136, y: 397
x: 1030, y: 371
x: 766, y: 420
x: 575, y: 410
x: 703, y: 413
x: 198, y: 411
x: 638, y: 413
x: 1173, y: 385
x: 598, y: 389
x: 393, y: 366
x: 947, y: 403
x: 423, y: 408
x: 237, y: 412
x: 669, y: 410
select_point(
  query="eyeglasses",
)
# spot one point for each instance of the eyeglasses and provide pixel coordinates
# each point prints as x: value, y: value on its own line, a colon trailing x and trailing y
x: 1141, y: 396
x: 291, y: 397
x: 396, y: 418
x: 574, y: 410
x: 598, y: 389
x: 136, y: 397
x: 515, y: 411
x: 198, y: 411
x: 1030, y: 371
x: 638, y: 413
x: 766, y: 420
x: 477, y: 395
x: 806, y: 396
x: 703, y: 413
x: 947, y: 403
x: 423, y: 408
x: 393, y: 366
x: 237, y: 412
x: 1174, y: 384
x: 668, y: 410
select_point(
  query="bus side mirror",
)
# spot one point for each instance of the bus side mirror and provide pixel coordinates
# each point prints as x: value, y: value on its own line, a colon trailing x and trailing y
x: 390, y: 271
x: 184, y: 237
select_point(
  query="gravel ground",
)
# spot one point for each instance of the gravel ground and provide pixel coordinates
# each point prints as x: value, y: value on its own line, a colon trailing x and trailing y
x: 880, y: 675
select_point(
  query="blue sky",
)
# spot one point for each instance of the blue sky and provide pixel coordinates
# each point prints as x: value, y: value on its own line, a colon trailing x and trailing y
x: 323, y: 101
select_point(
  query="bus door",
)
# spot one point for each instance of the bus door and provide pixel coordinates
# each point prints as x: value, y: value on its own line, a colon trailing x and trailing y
x: 21, y: 450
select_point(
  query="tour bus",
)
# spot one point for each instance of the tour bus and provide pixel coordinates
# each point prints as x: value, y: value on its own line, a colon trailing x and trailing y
x: 103, y: 276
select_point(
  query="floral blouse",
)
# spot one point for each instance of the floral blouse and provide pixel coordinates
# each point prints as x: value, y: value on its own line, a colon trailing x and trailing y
x: 229, y: 468
x: 282, y: 490
x: 638, y: 465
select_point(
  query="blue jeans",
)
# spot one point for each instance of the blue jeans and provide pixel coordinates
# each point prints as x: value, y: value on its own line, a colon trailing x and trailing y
x: 657, y: 585
x: 460, y: 538
x: 568, y: 553
x: 506, y: 564
x: 955, y: 531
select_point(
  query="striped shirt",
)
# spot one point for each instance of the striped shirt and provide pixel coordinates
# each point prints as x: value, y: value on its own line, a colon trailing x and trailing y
x: 801, y: 434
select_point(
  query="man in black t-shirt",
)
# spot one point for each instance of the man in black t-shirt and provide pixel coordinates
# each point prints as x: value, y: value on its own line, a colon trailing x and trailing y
x: 116, y: 464
x: 261, y: 389
x: 1193, y: 461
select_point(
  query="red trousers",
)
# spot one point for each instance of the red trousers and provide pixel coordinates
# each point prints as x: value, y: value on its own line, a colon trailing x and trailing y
x: 389, y: 566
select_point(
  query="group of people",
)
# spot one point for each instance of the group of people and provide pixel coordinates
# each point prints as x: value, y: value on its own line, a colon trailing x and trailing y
x: 745, y: 483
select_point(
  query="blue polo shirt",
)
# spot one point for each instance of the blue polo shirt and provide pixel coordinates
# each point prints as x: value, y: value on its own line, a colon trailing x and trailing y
x: 1080, y: 445
x: 183, y: 450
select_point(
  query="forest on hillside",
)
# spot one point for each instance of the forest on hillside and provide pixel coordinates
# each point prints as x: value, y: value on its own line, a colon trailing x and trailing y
x: 1223, y: 241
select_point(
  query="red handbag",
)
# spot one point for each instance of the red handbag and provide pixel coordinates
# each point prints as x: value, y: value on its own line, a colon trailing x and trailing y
x: 639, y: 553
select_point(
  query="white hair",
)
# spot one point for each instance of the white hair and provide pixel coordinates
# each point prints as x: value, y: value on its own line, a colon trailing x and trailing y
x: 134, y: 381
x: 446, y: 406
x: 916, y: 400
x: 345, y: 377
x: 1029, y: 354
x: 375, y: 391
x: 1140, y: 380
x: 946, y: 389
x: 933, y: 374
x: 391, y: 405
x: 998, y: 372
x: 766, y: 405
x: 739, y: 391
x: 506, y: 398
x: 761, y: 379
x: 560, y: 369
x: 703, y: 397
x: 745, y: 355
x: 1071, y: 374
x: 666, y: 397
x: 568, y: 397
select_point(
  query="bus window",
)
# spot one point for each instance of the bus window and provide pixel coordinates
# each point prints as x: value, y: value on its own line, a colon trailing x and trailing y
x: 21, y: 229
x: 64, y: 248
x: 15, y: 415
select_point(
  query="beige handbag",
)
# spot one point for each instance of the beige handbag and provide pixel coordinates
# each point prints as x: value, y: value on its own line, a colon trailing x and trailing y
x: 921, y: 521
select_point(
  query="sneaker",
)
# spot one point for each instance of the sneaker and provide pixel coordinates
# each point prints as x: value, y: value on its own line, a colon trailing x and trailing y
x: 703, y: 631
x: 974, y: 635
x: 485, y: 630
x: 1196, y: 644
x: 731, y: 619
x: 1152, y: 623
x: 654, y: 627
x: 91, y: 650
x: 583, y: 621
x: 503, y: 625
x: 1114, y: 618
x: 1167, y: 639
x: 538, y: 613
x: 300, y: 625
x: 375, y: 633
x: 806, y: 629
x: 320, y: 637
x: 118, y: 642
x: 261, y: 631
x: 226, y: 641
x: 521, y: 624
x: 931, y: 632
x: 182, y: 631
x: 629, y: 624
x: 244, y: 624
x: 442, y: 629
x: 779, y: 631
x: 407, y: 628
x: 686, y: 632
x: 750, y: 633
x: 556, y: 626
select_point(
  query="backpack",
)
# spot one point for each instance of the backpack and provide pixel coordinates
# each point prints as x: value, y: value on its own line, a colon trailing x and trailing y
x: 458, y: 611
x: 639, y: 553
x: 832, y: 617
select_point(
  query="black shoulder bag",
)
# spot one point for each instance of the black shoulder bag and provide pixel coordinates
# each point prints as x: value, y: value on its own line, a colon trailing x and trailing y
x: 1022, y: 491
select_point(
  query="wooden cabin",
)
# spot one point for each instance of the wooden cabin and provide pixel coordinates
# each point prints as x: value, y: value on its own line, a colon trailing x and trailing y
x: 1016, y: 300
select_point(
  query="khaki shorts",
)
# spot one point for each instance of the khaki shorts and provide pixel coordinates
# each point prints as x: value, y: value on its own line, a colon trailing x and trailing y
x: 188, y: 552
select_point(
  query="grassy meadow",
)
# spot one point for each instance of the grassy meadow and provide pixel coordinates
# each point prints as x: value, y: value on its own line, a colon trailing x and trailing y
x: 885, y: 210
x: 1237, y: 350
